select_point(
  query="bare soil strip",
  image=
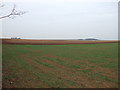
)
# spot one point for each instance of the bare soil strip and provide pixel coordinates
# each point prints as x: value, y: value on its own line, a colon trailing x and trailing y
x: 53, y: 42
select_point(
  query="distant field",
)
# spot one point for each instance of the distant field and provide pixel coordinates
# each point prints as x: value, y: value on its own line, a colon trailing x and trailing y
x: 60, y: 66
x: 53, y: 42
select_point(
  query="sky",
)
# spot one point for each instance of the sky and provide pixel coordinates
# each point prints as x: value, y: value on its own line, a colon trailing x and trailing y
x: 62, y: 19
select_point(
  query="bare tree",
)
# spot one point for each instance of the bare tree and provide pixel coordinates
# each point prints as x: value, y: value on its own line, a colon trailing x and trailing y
x: 13, y: 12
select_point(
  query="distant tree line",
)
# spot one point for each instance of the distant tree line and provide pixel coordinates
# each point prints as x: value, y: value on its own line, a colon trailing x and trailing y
x: 15, y: 38
x: 89, y: 39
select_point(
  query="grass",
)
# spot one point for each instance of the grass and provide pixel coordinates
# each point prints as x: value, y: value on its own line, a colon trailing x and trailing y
x: 73, y: 65
x: 46, y: 64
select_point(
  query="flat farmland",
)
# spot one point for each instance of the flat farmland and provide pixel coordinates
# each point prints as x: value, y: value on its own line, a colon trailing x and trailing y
x: 60, y: 66
x: 53, y: 42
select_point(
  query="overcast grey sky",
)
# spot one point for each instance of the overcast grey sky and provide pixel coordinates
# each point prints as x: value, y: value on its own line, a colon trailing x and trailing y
x: 66, y: 19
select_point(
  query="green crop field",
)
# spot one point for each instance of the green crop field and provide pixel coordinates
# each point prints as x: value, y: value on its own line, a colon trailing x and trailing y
x: 60, y: 66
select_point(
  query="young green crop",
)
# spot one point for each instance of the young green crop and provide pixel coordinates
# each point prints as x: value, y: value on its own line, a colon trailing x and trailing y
x: 74, y: 62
